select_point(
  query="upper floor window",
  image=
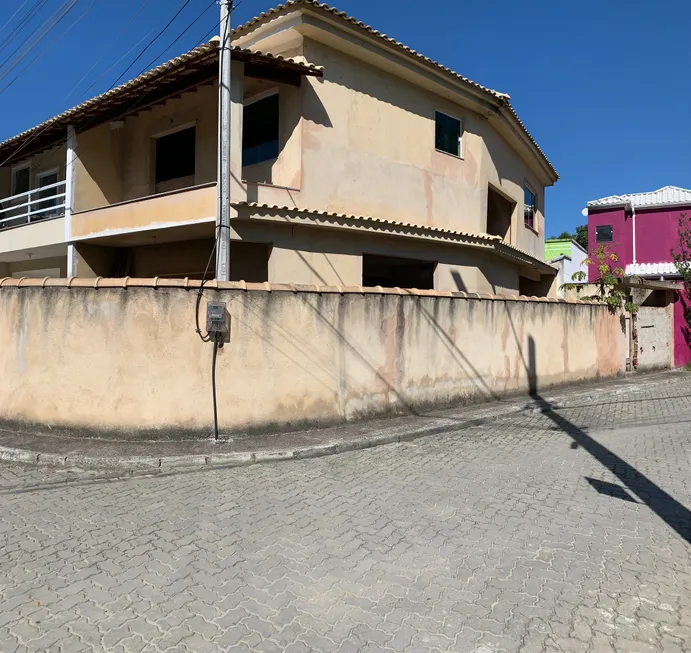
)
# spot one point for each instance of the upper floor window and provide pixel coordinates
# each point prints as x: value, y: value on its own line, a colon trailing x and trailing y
x: 21, y: 179
x: 447, y: 134
x: 529, y: 207
x: 260, y: 131
x: 603, y: 233
x: 175, y: 160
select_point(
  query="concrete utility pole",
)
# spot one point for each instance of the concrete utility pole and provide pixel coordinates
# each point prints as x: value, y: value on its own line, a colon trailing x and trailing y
x: 223, y: 209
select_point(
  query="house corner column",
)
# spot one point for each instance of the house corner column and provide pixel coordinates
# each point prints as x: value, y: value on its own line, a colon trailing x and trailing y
x: 238, y: 190
x: 69, y: 199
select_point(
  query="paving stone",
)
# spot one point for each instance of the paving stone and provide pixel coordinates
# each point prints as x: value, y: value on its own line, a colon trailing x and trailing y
x: 503, y: 537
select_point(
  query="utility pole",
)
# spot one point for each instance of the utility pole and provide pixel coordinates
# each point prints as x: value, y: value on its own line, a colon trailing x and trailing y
x: 223, y: 190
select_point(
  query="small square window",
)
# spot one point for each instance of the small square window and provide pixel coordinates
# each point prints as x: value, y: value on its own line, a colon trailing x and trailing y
x: 603, y: 233
x: 529, y: 207
x: 260, y: 131
x: 447, y: 134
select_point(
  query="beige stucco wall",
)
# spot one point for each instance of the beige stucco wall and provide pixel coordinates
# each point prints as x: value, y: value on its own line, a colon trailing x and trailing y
x: 33, y: 266
x: 130, y: 359
x: 368, y: 149
x: 34, y: 235
x: 331, y: 257
x: 151, y: 213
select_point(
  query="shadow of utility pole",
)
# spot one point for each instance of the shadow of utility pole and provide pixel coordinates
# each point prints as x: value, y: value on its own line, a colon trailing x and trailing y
x: 665, y: 506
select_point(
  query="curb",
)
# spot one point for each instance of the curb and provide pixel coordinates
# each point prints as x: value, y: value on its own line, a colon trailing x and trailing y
x: 158, y: 464
x: 235, y: 459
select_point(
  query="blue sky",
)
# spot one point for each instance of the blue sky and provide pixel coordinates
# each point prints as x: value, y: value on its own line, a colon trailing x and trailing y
x: 601, y: 84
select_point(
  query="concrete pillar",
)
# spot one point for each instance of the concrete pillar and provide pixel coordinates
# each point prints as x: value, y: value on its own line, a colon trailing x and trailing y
x: 238, y: 190
x: 69, y: 199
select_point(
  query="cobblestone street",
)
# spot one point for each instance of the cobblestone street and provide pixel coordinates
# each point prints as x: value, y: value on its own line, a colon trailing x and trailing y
x: 561, y: 529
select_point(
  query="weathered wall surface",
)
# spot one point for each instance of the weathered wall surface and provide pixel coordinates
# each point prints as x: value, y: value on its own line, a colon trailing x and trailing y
x: 655, y: 337
x: 128, y: 358
x: 368, y: 149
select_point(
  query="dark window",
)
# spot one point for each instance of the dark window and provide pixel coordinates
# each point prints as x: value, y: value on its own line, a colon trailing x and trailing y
x: 603, y: 233
x: 447, y: 134
x: 392, y: 272
x: 47, y: 179
x: 529, y: 207
x: 175, y: 155
x: 20, y: 180
x: 499, y: 212
x: 260, y: 131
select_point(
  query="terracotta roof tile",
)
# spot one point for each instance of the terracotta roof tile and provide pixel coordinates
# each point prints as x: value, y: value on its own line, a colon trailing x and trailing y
x: 206, y: 53
x: 495, y: 241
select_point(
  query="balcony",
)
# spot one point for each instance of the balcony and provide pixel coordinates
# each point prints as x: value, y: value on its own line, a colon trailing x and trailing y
x: 32, y: 206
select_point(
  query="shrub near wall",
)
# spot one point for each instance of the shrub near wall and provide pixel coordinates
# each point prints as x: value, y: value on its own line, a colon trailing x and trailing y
x: 122, y: 354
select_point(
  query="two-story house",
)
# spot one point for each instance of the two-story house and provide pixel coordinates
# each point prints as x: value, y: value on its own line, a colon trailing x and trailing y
x: 643, y: 229
x: 354, y: 161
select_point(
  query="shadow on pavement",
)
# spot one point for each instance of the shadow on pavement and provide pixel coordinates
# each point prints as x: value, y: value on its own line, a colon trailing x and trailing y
x: 665, y: 506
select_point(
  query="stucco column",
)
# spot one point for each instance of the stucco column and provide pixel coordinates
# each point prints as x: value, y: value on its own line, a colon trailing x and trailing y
x: 70, y: 160
x: 238, y: 190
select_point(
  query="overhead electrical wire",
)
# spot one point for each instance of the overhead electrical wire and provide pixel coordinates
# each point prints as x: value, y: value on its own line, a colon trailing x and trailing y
x: 50, y: 45
x: 26, y: 19
x: 117, y: 38
x: 11, y: 62
x: 39, y: 132
x: 11, y: 18
x: 170, y: 45
x: 139, y: 56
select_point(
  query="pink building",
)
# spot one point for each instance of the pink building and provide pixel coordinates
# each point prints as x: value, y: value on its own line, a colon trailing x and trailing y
x: 642, y: 229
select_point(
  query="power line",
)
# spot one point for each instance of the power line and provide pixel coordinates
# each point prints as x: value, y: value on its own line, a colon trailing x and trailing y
x: 11, y: 18
x: 37, y: 134
x: 50, y: 24
x: 120, y: 33
x: 139, y: 56
x: 24, y: 21
x: 50, y: 45
x: 170, y: 45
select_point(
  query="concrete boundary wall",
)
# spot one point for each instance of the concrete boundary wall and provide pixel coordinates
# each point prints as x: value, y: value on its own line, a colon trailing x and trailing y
x: 121, y: 355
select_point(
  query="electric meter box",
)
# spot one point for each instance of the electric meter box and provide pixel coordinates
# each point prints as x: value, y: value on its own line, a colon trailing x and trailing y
x: 218, y: 320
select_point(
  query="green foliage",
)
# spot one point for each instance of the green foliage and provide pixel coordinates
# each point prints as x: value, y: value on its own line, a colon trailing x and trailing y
x: 581, y: 236
x: 682, y: 261
x: 610, y: 289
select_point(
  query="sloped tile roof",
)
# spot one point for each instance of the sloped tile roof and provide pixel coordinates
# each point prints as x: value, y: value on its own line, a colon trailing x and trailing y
x: 661, y: 197
x: 53, y: 129
x: 503, y: 98
x: 494, y: 242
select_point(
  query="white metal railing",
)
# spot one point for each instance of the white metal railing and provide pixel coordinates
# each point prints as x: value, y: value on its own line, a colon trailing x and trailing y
x: 37, y: 204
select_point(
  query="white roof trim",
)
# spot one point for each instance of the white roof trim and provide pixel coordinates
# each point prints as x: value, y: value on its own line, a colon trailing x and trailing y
x: 666, y: 196
x: 651, y: 269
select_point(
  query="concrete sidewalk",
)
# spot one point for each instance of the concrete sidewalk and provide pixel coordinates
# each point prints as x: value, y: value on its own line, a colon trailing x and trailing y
x: 161, y: 455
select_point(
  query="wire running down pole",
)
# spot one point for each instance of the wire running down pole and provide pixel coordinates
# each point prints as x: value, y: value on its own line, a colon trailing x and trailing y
x: 223, y: 209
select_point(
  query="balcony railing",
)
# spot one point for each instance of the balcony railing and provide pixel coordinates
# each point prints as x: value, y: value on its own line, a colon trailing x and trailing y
x: 32, y: 206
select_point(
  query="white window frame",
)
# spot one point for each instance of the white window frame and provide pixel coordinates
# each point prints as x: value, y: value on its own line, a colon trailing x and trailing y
x: 460, y: 137
x: 17, y: 168
x: 45, y: 173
